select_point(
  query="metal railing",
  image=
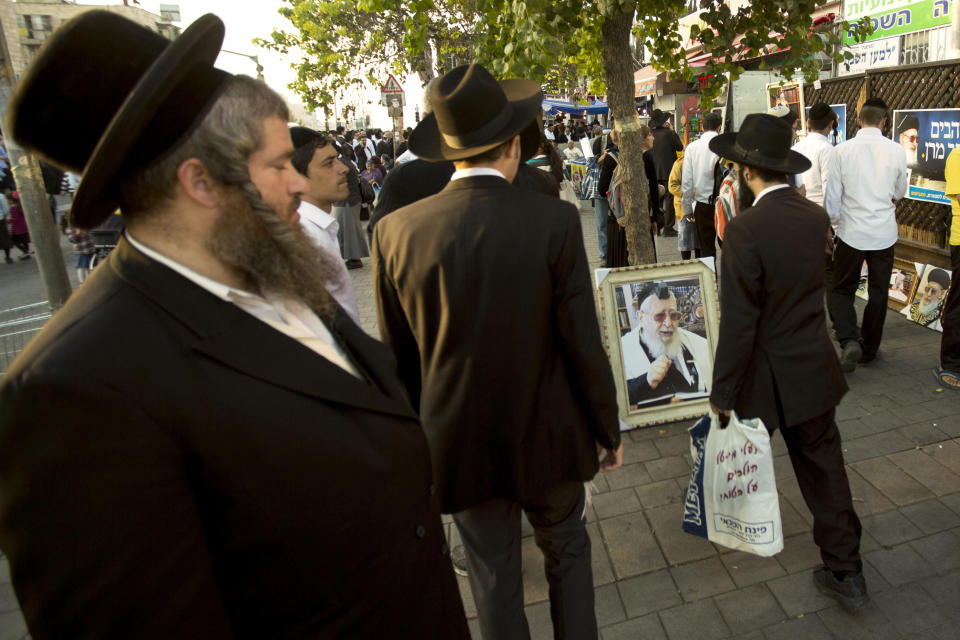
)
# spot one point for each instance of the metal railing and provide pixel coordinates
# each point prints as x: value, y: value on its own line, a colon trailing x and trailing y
x: 17, y: 326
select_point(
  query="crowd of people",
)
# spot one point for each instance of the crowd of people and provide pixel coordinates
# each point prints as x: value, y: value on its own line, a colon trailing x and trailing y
x: 204, y: 443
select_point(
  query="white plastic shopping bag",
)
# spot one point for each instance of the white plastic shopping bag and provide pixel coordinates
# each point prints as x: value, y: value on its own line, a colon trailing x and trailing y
x: 732, y: 496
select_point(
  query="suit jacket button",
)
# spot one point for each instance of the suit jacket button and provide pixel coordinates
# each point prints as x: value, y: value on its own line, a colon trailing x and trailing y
x: 420, y: 531
x: 444, y: 549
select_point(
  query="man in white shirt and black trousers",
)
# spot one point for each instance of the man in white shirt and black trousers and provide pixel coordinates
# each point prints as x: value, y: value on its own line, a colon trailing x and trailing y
x: 866, y: 175
x: 697, y: 184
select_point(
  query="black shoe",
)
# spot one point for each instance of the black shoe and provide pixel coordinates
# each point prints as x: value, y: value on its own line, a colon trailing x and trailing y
x: 850, y: 356
x: 851, y: 592
x: 669, y: 233
x: 354, y: 264
x: 867, y: 358
x: 459, y: 559
x: 25, y: 256
x: 9, y: 260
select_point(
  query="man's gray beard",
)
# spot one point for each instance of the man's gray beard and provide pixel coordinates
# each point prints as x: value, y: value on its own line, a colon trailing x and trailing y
x: 911, y: 157
x: 272, y: 255
x: 927, y: 309
x: 657, y: 348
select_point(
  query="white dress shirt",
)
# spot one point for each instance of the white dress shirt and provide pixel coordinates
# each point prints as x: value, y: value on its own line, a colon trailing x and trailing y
x: 697, y: 182
x: 371, y: 148
x: 572, y: 154
x: 866, y: 174
x: 816, y: 148
x: 321, y: 228
x: 475, y: 171
x: 768, y: 190
x: 286, y: 314
x: 548, y: 134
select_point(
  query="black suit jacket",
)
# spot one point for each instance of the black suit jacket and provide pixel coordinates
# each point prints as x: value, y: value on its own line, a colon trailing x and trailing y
x: 666, y: 143
x: 175, y: 468
x: 774, y: 358
x: 484, y: 294
x: 408, y: 182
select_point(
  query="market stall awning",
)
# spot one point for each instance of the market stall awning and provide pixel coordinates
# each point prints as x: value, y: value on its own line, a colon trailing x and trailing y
x: 553, y: 107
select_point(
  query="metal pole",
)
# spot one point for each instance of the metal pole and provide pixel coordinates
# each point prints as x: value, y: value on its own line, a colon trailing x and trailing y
x: 44, y: 234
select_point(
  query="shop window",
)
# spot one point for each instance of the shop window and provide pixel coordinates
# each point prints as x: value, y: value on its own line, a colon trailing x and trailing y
x: 34, y: 27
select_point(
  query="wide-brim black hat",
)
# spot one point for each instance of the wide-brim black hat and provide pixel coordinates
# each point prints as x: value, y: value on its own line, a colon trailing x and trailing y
x: 657, y: 118
x: 106, y: 96
x: 473, y: 113
x: 763, y: 141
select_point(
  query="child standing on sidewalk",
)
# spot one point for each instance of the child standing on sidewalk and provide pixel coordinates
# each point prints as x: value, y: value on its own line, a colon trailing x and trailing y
x: 84, y: 249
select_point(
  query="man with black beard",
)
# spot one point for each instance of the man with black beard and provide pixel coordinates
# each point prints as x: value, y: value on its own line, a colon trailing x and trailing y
x: 661, y: 359
x: 201, y: 443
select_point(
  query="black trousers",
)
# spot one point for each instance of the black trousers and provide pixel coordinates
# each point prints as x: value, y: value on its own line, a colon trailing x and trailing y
x: 706, y: 229
x: 847, y: 263
x: 491, y: 538
x: 950, y: 318
x: 666, y: 209
x: 817, y: 456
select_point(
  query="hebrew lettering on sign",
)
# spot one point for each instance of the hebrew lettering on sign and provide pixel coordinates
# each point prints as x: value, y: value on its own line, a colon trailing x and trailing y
x: 888, y: 20
x: 903, y: 17
x: 939, y: 150
x: 940, y: 8
x: 946, y: 129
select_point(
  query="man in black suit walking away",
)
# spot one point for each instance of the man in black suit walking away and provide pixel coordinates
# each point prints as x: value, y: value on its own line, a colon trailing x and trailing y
x: 774, y: 358
x: 483, y: 293
x: 666, y: 143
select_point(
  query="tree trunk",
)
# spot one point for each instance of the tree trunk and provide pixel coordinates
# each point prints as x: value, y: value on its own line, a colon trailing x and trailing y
x: 618, y: 69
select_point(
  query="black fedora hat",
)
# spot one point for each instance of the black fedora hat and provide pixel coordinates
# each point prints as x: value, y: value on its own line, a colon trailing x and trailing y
x: 473, y: 113
x: 106, y: 96
x: 657, y: 118
x: 763, y: 141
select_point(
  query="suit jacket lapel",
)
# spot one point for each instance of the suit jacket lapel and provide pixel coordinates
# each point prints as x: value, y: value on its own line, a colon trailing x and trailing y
x: 236, y: 339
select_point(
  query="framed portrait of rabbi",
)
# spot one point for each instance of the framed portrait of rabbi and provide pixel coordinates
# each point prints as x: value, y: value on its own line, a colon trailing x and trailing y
x: 660, y: 325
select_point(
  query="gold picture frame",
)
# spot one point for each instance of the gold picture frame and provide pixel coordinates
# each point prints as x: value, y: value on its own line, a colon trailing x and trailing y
x: 683, y: 392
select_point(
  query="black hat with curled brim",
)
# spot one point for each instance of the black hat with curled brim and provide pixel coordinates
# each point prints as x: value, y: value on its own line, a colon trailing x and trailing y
x: 763, y: 141
x: 657, y: 118
x: 106, y: 96
x: 473, y: 113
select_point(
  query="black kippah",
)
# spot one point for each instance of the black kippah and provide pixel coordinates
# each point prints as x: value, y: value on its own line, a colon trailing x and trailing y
x: 821, y: 111
x: 875, y: 102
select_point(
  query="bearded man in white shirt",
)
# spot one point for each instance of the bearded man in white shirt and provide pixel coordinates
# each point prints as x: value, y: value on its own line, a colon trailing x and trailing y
x: 816, y: 148
x: 866, y: 175
x: 315, y: 158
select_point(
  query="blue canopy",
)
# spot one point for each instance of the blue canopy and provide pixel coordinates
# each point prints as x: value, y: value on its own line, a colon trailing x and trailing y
x: 553, y: 107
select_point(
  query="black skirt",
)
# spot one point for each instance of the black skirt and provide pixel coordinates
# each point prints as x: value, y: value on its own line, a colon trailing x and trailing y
x: 616, y: 244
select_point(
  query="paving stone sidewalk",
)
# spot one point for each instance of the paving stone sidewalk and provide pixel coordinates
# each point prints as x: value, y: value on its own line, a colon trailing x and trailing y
x: 901, y: 437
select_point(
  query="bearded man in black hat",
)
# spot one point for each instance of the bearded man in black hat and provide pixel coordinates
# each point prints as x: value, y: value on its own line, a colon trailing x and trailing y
x: 201, y: 443
x: 774, y: 358
x: 484, y: 294
x: 666, y: 143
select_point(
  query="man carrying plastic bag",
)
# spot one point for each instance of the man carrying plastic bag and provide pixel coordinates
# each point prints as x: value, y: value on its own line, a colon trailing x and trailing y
x: 774, y: 359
